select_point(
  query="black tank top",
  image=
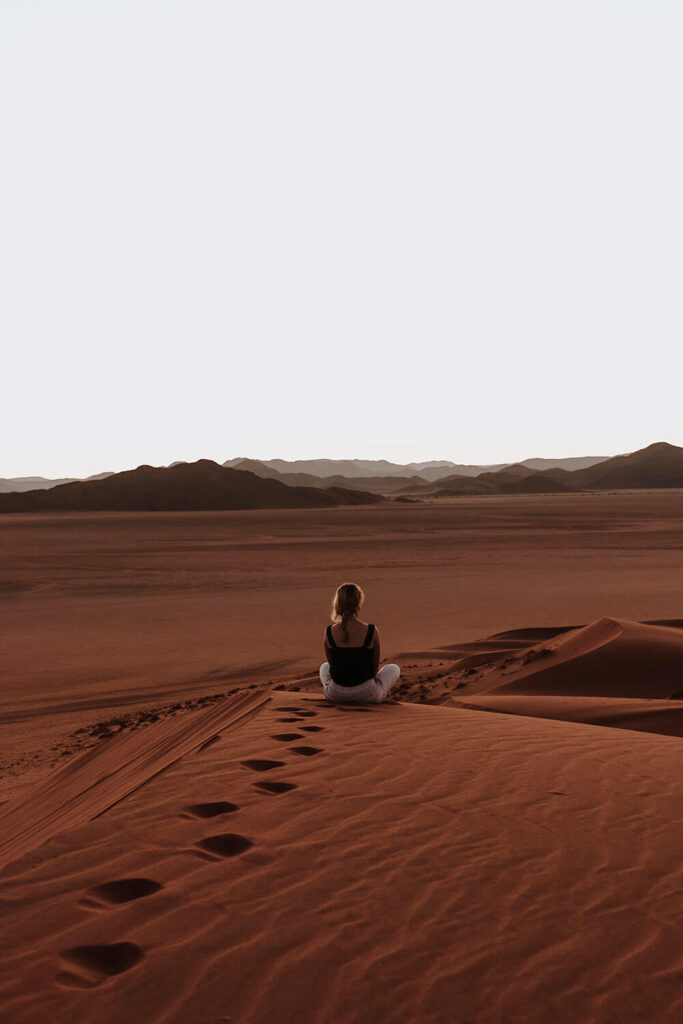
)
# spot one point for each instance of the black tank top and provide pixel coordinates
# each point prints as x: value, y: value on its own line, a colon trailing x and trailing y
x: 350, y: 666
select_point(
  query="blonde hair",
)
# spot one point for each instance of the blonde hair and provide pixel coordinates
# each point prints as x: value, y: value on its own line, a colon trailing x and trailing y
x: 346, y: 602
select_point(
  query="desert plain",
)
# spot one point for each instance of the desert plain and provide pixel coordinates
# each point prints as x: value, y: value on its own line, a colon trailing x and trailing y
x: 191, y: 833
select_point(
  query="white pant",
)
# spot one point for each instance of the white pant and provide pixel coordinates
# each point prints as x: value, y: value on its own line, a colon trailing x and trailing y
x: 372, y: 691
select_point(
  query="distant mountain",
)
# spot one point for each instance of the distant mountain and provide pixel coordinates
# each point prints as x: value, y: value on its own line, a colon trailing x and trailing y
x: 516, y: 471
x: 202, y: 485
x: 360, y: 468
x: 457, y: 469
x: 375, y: 484
x: 580, y: 462
x: 659, y: 465
x: 443, y: 471
x: 330, y: 467
x: 276, y: 483
x: 510, y: 480
x: 536, y: 483
x: 434, y: 464
x: 10, y: 485
x: 455, y: 486
x: 352, y: 469
x: 484, y: 483
x: 265, y: 470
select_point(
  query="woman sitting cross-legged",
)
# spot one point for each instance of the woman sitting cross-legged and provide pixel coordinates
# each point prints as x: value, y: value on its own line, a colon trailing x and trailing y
x: 351, y: 673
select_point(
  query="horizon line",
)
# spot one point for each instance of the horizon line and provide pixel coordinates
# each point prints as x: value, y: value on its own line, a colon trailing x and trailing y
x: 325, y: 458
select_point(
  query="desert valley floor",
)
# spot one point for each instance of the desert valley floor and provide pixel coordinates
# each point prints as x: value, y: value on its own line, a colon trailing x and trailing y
x: 192, y: 834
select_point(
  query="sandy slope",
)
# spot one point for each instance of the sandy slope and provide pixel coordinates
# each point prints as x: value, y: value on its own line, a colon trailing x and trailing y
x: 88, y: 786
x: 659, y: 716
x: 420, y: 864
x: 609, y: 657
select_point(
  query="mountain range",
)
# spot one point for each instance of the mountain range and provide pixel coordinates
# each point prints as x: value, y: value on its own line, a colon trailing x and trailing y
x: 310, y: 472
x: 658, y: 465
x: 9, y: 485
x: 186, y: 486
x: 253, y: 484
x: 381, y: 468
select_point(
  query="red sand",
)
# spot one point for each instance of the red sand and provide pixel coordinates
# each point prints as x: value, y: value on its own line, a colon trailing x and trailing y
x: 610, y: 658
x: 426, y: 864
x: 482, y: 850
x: 101, y: 612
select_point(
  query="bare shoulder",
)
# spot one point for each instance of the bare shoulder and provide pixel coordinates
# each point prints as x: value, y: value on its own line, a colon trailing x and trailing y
x: 375, y: 637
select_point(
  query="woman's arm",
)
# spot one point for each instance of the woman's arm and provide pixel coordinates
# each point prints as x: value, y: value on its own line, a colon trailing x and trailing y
x: 326, y: 647
x: 375, y: 652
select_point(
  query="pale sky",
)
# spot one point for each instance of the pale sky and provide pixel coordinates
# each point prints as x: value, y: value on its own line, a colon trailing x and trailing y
x: 302, y: 229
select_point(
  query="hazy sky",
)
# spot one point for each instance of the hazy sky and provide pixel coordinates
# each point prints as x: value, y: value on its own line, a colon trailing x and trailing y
x: 360, y: 229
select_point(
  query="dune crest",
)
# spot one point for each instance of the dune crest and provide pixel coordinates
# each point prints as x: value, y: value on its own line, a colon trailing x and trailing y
x: 609, y: 658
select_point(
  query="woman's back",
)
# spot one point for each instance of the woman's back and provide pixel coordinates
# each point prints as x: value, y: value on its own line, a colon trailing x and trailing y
x: 352, y: 634
x: 351, y: 663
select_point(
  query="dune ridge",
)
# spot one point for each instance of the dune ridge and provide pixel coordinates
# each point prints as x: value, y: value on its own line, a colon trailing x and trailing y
x: 609, y: 657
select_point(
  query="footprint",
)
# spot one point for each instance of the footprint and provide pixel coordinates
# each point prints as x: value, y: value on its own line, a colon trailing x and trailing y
x: 287, y: 737
x: 306, y: 751
x: 275, y: 787
x: 288, y: 720
x: 211, y: 810
x: 227, y: 844
x: 313, y: 728
x: 95, y: 964
x: 261, y: 764
x: 122, y: 890
x: 301, y: 712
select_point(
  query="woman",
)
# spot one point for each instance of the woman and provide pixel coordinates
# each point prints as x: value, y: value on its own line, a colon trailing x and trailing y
x: 351, y: 673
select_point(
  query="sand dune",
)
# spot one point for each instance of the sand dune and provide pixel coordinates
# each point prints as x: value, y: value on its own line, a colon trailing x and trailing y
x: 398, y: 864
x: 610, y: 657
x: 616, y: 673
